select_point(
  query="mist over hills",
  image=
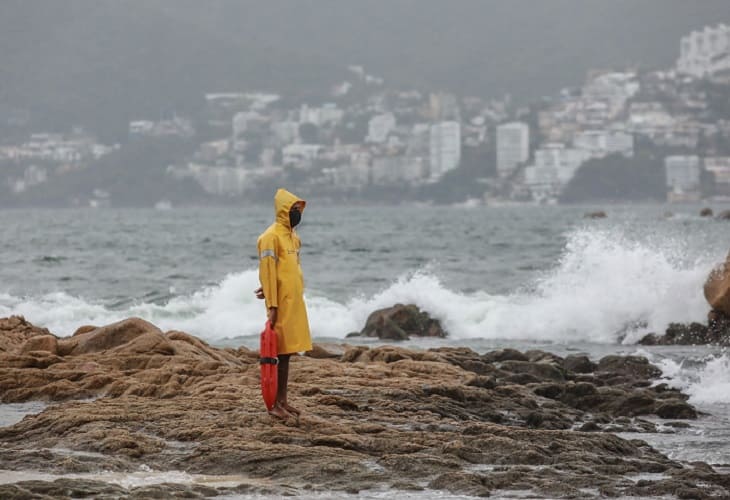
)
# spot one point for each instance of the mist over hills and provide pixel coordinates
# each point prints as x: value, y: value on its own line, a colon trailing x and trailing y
x: 101, y: 63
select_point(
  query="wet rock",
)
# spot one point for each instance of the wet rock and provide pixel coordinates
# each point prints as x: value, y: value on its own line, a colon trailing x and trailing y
x: 578, y: 364
x: 706, y: 212
x: 371, y: 416
x: 674, y: 408
x: 504, y: 355
x: 632, y: 366
x: 724, y: 215
x: 598, y: 214
x: 541, y: 371
x: 400, y: 322
x: 717, y: 288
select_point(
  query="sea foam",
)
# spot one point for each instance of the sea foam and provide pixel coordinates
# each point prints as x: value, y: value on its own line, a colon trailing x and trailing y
x: 605, y: 288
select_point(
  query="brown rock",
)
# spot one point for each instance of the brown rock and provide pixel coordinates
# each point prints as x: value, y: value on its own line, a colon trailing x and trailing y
x: 107, y: 337
x: 327, y: 350
x: 48, y: 343
x: 706, y: 212
x: 84, y: 329
x: 598, y: 214
x: 15, y: 331
x: 724, y: 215
x: 400, y: 322
x: 717, y: 288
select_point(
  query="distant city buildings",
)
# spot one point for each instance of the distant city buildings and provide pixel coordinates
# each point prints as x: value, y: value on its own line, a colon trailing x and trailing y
x: 683, y: 178
x: 706, y: 53
x: 444, y: 148
x: 513, y: 147
x: 379, y: 127
x: 358, y: 134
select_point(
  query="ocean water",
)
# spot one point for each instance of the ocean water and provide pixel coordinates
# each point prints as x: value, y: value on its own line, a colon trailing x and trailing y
x: 523, y: 277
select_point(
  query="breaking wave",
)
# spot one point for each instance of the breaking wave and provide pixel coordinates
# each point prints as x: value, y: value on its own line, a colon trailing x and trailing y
x: 605, y: 288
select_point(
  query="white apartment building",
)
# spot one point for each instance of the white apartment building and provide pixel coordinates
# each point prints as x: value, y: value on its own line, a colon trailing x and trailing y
x: 300, y: 155
x: 513, y: 146
x: 444, y: 148
x: 683, y: 177
x: 328, y: 114
x: 719, y: 166
x: 706, y: 52
x: 379, y: 127
x: 555, y: 165
x: 601, y: 143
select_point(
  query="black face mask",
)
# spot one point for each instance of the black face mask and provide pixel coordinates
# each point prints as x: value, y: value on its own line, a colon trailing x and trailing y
x: 294, y: 217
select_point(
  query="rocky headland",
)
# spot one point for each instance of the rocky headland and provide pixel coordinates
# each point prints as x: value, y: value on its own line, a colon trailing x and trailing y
x: 128, y: 396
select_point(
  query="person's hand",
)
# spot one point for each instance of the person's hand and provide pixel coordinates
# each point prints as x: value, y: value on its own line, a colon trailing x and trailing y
x: 272, y: 316
x: 259, y: 292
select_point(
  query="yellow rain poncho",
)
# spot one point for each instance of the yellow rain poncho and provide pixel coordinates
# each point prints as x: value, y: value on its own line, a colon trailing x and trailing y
x: 281, y: 277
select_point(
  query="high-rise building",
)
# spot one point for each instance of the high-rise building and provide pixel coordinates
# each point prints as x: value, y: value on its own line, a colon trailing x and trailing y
x: 705, y: 52
x: 513, y: 146
x: 444, y: 148
x: 683, y: 177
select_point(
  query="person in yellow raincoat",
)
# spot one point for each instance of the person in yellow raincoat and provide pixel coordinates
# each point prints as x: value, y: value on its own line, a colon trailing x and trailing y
x: 282, y: 287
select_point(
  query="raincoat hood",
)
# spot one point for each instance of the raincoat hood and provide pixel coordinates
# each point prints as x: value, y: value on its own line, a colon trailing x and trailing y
x: 283, y: 201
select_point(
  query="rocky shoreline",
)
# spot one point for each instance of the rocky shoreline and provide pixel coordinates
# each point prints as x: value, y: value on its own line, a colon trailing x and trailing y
x: 128, y: 396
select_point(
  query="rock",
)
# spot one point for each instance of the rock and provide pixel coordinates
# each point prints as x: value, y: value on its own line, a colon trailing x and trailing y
x: 633, y: 366
x: 383, y: 417
x: 48, y: 343
x: 724, y: 215
x: 706, y: 212
x: 680, y: 334
x: 541, y: 371
x: 110, y: 336
x: 598, y: 214
x: 674, y: 408
x: 717, y: 288
x: 400, y: 322
x: 15, y: 331
x: 578, y: 364
x: 327, y: 350
x: 504, y: 355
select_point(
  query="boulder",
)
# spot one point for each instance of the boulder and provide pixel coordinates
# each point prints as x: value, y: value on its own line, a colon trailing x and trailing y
x: 107, y: 337
x: 504, y: 355
x: 400, y: 322
x: 717, y: 288
x: 598, y: 214
x: 15, y: 331
x: 578, y: 364
x: 675, y: 408
x: 633, y: 366
x: 48, y: 343
x: 724, y: 215
x: 706, y: 212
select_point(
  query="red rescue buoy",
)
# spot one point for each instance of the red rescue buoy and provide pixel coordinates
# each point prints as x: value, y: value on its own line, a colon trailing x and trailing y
x: 269, y: 361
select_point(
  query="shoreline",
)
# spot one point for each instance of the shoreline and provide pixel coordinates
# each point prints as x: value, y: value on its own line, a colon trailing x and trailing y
x: 444, y: 419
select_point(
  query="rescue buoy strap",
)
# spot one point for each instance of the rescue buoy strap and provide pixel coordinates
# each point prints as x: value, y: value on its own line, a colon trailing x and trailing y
x: 269, y: 361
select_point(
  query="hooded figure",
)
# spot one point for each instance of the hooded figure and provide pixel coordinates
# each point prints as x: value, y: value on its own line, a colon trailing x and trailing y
x: 281, y: 276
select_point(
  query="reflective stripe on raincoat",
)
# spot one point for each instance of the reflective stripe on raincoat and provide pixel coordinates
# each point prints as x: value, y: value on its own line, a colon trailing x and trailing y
x: 281, y: 277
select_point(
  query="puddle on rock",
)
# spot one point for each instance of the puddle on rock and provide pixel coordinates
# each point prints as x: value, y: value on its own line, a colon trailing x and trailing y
x: 12, y: 413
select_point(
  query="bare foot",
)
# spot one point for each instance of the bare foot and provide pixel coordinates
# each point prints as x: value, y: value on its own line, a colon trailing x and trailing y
x: 290, y: 409
x: 279, y: 412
